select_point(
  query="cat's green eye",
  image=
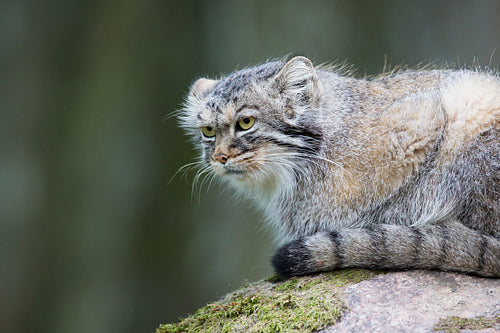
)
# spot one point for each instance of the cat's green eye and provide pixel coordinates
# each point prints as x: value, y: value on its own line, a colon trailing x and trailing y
x: 246, y: 123
x: 208, y: 131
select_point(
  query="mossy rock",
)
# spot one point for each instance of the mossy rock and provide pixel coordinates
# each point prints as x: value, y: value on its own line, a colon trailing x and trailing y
x: 303, y: 304
x: 456, y: 324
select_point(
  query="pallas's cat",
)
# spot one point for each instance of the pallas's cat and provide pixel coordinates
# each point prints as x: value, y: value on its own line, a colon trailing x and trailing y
x: 398, y: 171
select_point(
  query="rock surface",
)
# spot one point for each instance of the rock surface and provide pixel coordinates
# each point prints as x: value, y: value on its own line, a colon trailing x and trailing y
x: 354, y: 300
x: 415, y: 301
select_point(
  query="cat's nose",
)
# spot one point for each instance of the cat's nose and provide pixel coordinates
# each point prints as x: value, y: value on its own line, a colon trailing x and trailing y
x: 222, y: 158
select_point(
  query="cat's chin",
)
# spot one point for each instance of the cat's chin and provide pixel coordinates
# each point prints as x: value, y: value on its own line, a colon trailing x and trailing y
x: 238, y: 177
x: 253, y: 180
x: 234, y: 172
x: 229, y: 171
x: 258, y: 185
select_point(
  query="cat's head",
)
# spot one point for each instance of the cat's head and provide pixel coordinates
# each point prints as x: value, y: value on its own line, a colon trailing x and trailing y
x: 255, y: 127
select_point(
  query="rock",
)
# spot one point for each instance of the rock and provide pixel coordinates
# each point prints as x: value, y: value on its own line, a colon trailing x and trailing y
x: 354, y: 301
x: 416, y: 301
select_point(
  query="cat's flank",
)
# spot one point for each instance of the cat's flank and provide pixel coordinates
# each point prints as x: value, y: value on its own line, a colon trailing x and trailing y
x: 399, y: 171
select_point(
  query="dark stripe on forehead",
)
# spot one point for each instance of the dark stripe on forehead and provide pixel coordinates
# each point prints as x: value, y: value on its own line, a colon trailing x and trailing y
x: 246, y: 106
x: 228, y: 88
x: 213, y: 105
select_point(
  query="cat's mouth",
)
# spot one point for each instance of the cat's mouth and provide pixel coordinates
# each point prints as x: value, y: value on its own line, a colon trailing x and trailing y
x: 236, y: 167
x: 228, y: 170
x: 233, y: 171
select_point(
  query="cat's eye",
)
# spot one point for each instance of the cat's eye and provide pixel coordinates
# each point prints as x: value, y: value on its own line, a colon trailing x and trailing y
x: 208, y: 131
x: 246, y: 123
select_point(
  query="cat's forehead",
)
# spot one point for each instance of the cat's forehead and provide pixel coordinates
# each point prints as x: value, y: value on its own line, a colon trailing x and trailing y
x: 223, y: 114
x: 230, y: 89
x: 220, y: 116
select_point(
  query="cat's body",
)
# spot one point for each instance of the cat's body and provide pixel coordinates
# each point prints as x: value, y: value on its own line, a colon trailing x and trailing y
x: 401, y: 171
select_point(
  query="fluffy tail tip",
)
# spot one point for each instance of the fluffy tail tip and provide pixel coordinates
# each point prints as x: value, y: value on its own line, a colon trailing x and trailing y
x: 291, y: 259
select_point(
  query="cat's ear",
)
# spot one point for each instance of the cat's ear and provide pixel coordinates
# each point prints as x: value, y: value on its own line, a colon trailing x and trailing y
x: 298, y: 82
x: 201, y: 86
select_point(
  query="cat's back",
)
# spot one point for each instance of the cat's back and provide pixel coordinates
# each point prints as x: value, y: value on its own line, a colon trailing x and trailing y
x: 468, y: 99
x: 405, y: 123
x: 471, y: 102
x: 467, y: 96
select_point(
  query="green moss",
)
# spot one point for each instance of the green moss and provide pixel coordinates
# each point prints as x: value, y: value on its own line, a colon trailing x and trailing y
x: 455, y: 324
x: 302, y: 304
x: 336, y: 278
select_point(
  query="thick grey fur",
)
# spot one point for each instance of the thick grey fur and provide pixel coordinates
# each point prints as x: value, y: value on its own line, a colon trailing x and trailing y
x: 399, y: 171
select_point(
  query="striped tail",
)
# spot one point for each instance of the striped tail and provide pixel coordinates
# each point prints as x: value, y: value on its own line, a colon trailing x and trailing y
x: 446, y: 246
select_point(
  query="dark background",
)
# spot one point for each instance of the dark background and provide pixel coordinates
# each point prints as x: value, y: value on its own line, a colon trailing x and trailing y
x: 94, y: 234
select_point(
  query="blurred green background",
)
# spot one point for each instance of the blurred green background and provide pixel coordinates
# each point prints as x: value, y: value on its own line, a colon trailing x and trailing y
x: 94, y: 234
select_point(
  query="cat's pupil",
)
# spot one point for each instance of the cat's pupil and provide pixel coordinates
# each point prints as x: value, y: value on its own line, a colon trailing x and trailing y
x: 246, y: 120
x: 209, y: 129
